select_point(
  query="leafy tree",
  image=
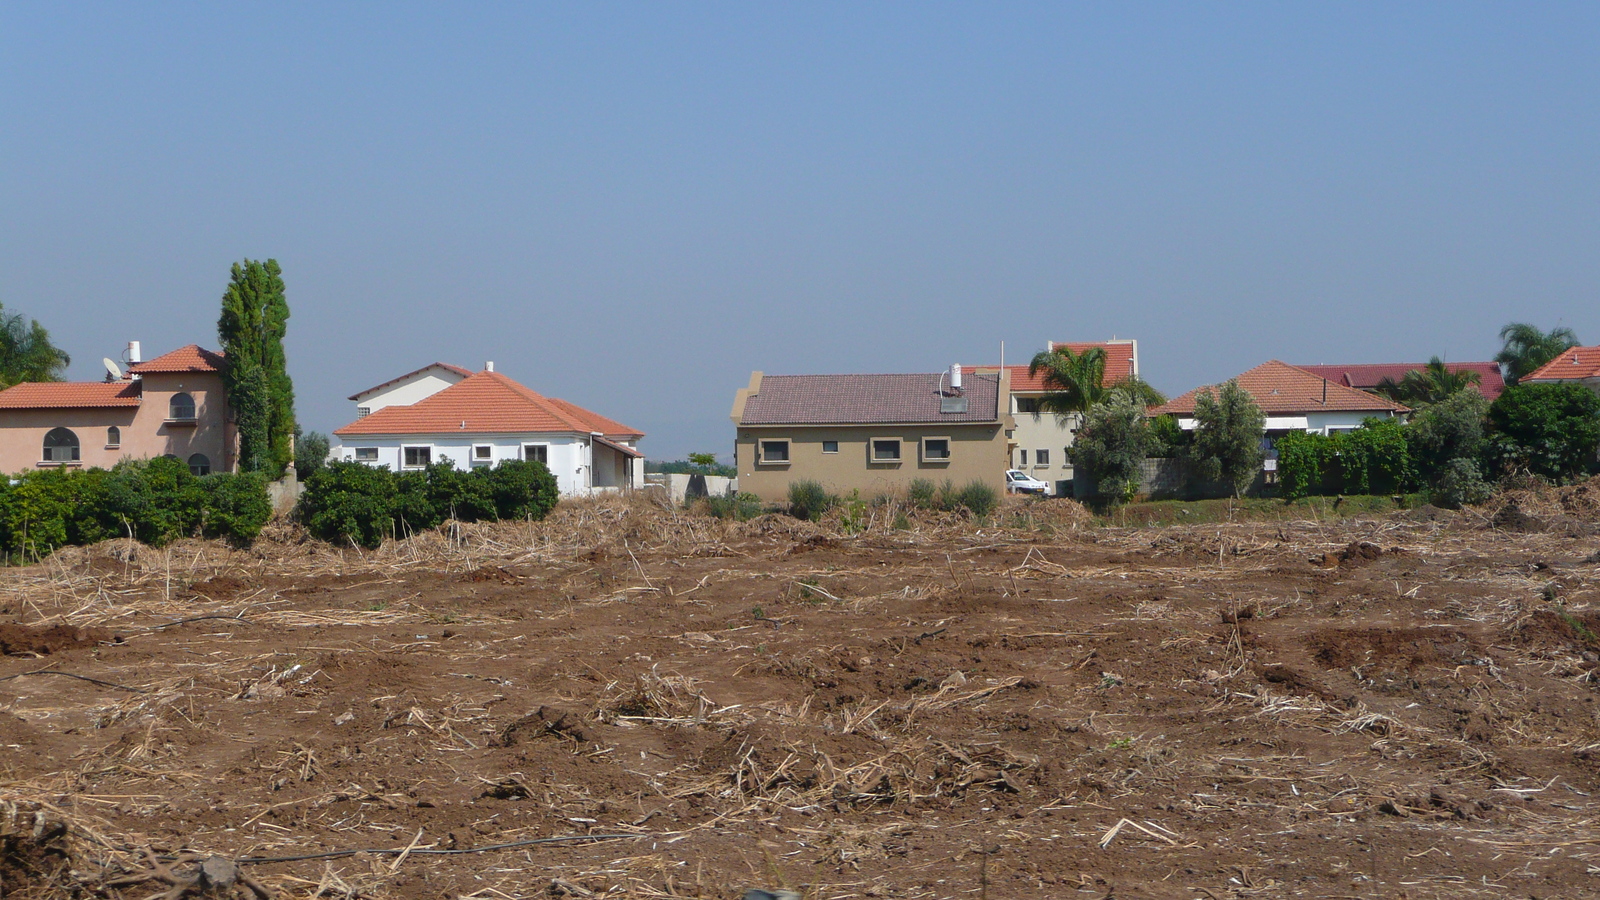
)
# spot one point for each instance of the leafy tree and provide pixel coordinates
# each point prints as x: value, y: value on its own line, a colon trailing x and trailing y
x: 1545, y: 429
x: 1168, y: 439
x: 1526, y: 348
x: 1374, y: 458
x: 310, y: 453
x: 522, y: 490
x: 1458, y: 484
x: 703, y: 460
x: 1137, y: 390
x: 1075, y: 382
x: 1227, y: 436
x: 1304, y: 462
x: 255, y: 317
x: 690, y: 466
x: 1449, y: 430
x: 1111, y: 447
x: 26, y: 353
x: 1430, y: 384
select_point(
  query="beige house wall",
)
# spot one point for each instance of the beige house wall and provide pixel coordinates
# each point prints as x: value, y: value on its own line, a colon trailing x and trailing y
x: 146, y: 431
x: 977, y: 453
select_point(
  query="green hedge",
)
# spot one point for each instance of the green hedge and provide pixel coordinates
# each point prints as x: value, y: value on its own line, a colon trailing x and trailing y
x: 361, y: 504
x: 155, y: 501
x: 1373, y: 459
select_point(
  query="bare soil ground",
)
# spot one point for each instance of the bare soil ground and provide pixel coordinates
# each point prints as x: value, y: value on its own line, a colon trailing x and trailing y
x: 1395, y: 707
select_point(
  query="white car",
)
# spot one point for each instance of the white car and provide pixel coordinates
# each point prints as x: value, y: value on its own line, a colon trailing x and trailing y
x: 1020, y: 482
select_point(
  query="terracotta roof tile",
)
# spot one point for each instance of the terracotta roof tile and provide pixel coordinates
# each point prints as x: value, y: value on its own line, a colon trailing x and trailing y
x: 486, y: 403
x: 193, y: 358
x: 1282, y: 390
x: 867, y: 400
x: 70, y: 394
x: 1119, y: 365
x: 1573, y: 364
x: 1365, y: 376
x: 436, y: 365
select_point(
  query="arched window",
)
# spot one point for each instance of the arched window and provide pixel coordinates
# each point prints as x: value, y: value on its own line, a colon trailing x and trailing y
x: 60, y: 445
x: 199, y: 464
x: 113, y: 436
x: 182, y: 407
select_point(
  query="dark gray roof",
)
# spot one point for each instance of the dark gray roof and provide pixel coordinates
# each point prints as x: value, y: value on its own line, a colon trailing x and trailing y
x: 867, y: 400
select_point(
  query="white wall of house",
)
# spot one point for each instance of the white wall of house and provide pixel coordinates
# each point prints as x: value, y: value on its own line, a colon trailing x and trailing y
x: 411, y: 390
x: 1316, y: 423
x: 568, y: 456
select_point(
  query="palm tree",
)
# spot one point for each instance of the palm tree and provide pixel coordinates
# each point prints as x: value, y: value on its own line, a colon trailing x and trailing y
x: 1527, y: 348
x: 1075, y: 381
x: 1428, y: 385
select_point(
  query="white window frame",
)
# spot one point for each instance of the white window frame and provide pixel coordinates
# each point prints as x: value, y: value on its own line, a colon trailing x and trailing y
x: 539, y: 449
x: 363, y: 411
x: 872, y: 451
x: 949, y: 450
x: 825, y: 446
x: 172, y: 408
x: 425, y: 448
x: 1041, y: 458
x: 486, y: 459
x: 761, y: 451
x: 358, y: 457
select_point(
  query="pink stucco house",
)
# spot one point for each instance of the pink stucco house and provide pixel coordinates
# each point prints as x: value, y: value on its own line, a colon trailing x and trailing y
x: 173, y: 405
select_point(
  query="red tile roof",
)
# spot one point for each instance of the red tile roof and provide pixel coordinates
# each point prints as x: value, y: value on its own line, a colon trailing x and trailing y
x: 1282, y: 390
x: 193, y: 358
x: 1365, y: 376
x: 867, y: 400
x: 70, y: 394
x: 487, y: 403
x: 1119, y: 365
x: 1573, y: 364
x: 437, y: 365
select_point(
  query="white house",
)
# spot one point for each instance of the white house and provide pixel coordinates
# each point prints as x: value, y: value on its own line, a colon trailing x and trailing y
x: 1295, y: 400
x: 484, y: 418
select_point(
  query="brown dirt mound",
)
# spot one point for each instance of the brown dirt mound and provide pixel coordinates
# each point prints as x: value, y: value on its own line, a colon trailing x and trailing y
x: 1388, y: 648
x: 25, y: 640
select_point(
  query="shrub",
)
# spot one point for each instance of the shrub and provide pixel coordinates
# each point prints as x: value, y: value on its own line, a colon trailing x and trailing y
x: 1167, y: 438
x: 741, y: 507
x: 808, y: 500
x: 236, y: 507
x: 522, y: 489
x: 1111, y: 447
x: 1460, y: 483
x: 1227, y: 436
x: 921, y: 493
x: 350, y: 502
x: 1448, y: 430
x: 1303, y: 460
x: 978, y: 497
x: 1545, y: 429
x: 1375, y: 458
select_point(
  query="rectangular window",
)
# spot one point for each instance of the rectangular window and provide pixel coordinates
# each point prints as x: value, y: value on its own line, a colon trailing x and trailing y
x: 482, y: 453
x: 363, y: 411
x: 1041, y: 457
x: 1022, y: 458
x: 536, y: 453
x: 936, y: 449
x: 1027, y: 404
x: 830, y: 446
x: 885, y: 450
x: 417, y: 457
x: 366, y: 454
x: 773, y: 453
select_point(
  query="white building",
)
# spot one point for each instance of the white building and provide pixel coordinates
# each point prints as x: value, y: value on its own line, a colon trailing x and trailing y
x: 1295, y: 400
x: 482, y: 418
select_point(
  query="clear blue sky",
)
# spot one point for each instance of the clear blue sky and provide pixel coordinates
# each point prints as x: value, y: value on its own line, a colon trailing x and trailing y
x: 633, y: 206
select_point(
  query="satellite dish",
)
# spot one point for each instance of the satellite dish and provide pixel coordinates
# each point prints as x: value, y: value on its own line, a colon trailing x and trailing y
x: 113, y: 371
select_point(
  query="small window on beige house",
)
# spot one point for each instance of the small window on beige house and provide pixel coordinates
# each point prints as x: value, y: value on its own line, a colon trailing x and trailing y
x: 830, y: 446
x: 936, y: 449
x: 1041, y: 457
x: 885, y: 450
x: 113, y: 437
x: 772, y: 453
x: 1027, y: 404
x: 1022, y: 458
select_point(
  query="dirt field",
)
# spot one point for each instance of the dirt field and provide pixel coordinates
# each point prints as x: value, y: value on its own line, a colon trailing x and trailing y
x: 1395, y: 707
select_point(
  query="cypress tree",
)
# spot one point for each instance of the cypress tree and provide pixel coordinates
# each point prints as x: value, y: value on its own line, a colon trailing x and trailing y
x: 255, y: 317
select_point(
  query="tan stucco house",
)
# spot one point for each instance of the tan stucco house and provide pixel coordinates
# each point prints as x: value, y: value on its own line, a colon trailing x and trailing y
x: 870, y: 433
x: 173, y: 405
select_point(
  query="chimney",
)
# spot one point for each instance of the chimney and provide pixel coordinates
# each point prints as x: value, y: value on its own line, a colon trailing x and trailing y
x: 489, y: 366
x: 133, y: 353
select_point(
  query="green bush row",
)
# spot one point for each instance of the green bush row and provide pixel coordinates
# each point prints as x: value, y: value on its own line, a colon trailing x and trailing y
x: 155, y: 501
x: 351, y: 502
x: 810, y: 500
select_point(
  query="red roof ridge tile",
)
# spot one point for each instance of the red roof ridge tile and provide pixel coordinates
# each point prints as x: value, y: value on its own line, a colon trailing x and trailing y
x: 188, y: 358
